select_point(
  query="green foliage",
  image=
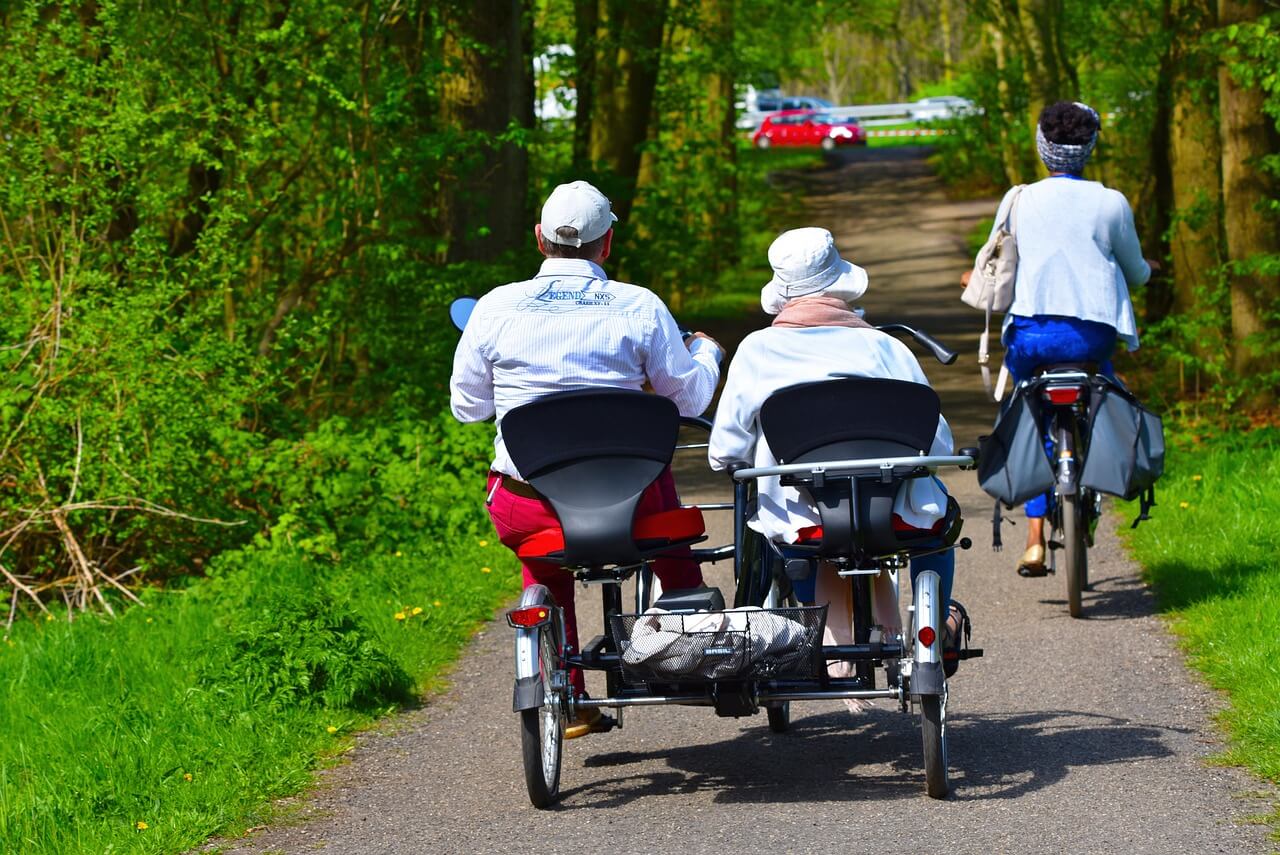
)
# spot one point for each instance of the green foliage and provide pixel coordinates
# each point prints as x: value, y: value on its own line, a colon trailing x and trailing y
x: 374, y: 485
x: 767, y: 205
x: 1209, y: 552
x: 216, y: 230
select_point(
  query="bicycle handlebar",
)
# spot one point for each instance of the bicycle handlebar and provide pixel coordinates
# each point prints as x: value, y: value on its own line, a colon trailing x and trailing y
x: 941, y: 352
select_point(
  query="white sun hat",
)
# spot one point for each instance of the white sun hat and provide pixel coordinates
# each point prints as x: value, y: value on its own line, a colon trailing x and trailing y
x: 805, y: 262
x: 579, y: 206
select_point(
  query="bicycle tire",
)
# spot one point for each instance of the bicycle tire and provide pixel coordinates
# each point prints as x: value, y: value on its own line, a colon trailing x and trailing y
x: 1075, y: 553
x: 542, y: 733
x: 933, y: 732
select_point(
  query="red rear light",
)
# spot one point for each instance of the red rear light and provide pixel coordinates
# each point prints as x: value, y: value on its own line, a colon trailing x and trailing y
x: 529, y: 616
x: 926, y: 636
x: 1063, y: 394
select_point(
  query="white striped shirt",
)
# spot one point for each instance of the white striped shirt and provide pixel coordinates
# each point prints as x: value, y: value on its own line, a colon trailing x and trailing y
x: 571, y: 327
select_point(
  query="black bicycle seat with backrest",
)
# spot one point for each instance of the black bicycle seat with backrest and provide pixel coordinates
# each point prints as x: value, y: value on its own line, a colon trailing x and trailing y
x: 854, y: 418
x: 592, y: 453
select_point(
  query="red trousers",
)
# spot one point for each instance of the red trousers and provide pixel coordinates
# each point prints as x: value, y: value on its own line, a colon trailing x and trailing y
x: 516, y: 517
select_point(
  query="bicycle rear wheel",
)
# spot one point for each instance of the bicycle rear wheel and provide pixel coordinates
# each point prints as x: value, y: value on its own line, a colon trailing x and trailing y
x: 1075, y: 552
x: 542, y: 728
x: 933, y: 731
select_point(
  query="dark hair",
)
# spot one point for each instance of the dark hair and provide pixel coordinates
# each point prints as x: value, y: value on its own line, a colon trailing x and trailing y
x: 590, y: 249
x: 1067, y: 123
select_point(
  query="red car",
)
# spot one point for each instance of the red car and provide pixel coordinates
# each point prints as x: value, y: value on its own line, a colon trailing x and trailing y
x: 808, y: 127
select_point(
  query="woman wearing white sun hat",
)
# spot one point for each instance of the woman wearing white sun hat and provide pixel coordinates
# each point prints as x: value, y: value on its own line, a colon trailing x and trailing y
x: 816, y: 335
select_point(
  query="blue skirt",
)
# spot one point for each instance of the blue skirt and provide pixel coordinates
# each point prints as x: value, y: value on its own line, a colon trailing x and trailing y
x: 1045, y: 339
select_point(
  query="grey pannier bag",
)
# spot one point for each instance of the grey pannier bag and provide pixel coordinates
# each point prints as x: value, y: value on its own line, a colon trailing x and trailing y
x: 1012, y: 463
x: 1125, y: 456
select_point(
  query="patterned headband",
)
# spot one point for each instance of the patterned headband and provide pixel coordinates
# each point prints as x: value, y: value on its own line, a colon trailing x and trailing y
x: 1064, y: 157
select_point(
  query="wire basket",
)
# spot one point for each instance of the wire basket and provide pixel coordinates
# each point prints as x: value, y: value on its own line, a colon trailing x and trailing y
x: 763, y: 644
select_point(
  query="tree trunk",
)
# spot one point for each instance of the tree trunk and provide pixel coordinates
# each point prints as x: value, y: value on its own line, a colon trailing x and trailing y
x: 1049, y: 74
x: 944, y: 24
x: 1251, y: 233
x: 1010, y: 157
x: 1195, y: 154
x: 722, y: 216
x: 487, y: 87
x: 1158, y: 213
x: 586, y: 25
x: 627, y: 75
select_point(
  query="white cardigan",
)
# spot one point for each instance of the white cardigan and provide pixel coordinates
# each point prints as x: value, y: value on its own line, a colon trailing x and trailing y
x: 1078, y: 253
x: 773, y: 358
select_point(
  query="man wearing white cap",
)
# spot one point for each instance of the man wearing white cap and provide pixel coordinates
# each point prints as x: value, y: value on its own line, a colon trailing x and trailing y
x: 571, y: 327
x: 816, y: 335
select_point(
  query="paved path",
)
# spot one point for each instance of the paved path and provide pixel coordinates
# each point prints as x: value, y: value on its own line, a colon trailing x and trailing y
x: 1070, y: 736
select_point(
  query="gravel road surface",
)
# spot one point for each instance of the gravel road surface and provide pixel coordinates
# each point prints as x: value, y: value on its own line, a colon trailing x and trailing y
x: 1069, y: 736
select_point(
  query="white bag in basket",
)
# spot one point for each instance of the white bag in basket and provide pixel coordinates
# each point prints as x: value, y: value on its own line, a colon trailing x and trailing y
x: 659, y: 639
x: 654, y: 639
x: 771, y: 634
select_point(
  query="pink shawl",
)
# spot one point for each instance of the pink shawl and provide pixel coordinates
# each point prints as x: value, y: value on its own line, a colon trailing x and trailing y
x: 819, y: 311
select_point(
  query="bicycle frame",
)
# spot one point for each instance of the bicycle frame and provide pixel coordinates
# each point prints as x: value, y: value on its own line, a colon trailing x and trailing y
x: 1063, y: 394
x: 923, y: 668
x: 1064, y: 398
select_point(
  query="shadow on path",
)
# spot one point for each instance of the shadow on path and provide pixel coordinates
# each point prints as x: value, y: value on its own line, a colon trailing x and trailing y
x: 875, y: 756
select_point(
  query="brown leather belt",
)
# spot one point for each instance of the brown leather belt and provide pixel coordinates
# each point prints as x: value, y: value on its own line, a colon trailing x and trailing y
x: 516, y: 487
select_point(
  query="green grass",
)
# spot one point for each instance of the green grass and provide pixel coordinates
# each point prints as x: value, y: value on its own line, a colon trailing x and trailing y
x: 190, y: 714
x: 1210, y: 552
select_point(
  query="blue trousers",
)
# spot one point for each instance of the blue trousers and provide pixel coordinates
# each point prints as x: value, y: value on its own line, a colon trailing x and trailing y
x: 1047, y: 339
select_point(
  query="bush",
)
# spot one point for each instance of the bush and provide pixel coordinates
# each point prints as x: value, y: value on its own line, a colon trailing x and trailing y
x: 212, y: 238
x: 300, y: 648
x: 374, y: 485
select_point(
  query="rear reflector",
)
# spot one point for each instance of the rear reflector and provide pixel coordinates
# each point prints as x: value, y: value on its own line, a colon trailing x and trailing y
x: 529, y: 616
x: 926, y: 636
x: 1064, y: 394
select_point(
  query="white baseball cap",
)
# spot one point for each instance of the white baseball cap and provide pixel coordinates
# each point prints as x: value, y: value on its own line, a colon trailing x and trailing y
x: 580, y: 206
x: 805, y: 262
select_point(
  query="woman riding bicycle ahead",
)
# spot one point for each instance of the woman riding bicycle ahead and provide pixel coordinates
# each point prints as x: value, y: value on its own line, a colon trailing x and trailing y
x: 1078, y: 255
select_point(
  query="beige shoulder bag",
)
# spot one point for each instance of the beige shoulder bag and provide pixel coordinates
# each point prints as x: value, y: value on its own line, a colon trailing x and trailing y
x: 991, y: 283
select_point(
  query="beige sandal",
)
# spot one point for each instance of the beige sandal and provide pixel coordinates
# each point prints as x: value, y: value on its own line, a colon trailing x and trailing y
x: 1032, y: 563
x: 588, y: 718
